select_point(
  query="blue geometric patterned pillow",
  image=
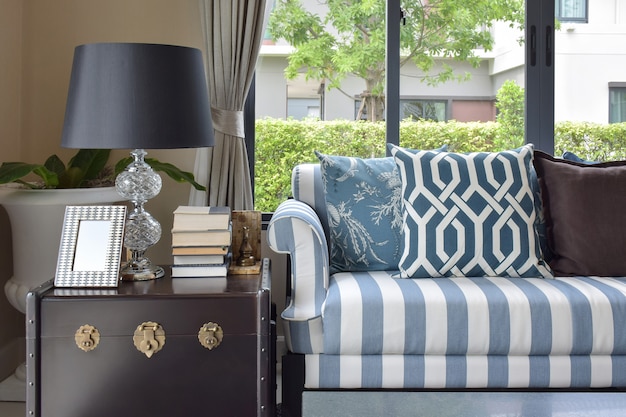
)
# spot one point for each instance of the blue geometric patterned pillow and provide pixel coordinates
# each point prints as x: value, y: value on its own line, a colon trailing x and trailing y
x: 363, y: 201
x: 468, y: 215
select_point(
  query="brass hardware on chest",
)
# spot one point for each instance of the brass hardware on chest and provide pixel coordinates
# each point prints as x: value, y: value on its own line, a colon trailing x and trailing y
x: 210, y: 335
x: 149, y: 338
x: 87, y: 337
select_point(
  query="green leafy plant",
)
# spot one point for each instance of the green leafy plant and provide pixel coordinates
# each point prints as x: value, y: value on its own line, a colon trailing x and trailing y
x: 282, y: 144
x: 510, y: 102
x: 86, y: 169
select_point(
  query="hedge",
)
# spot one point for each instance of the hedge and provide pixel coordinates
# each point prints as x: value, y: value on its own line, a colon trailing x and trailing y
x: 282, y: 144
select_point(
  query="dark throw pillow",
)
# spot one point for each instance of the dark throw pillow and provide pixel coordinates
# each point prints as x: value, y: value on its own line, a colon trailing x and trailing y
x: 585, y: 212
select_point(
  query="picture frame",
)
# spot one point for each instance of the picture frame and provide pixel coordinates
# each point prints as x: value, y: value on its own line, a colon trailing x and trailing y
x: 91, y: 246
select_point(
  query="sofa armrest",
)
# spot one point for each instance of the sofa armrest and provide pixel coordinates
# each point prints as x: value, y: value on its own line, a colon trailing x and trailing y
x: 296, y: 229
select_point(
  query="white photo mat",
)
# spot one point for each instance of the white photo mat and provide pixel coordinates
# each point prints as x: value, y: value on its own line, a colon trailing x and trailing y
x: 91, y: 246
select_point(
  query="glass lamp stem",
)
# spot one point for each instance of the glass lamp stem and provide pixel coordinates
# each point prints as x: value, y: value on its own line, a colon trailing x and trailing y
x: 139, y: 183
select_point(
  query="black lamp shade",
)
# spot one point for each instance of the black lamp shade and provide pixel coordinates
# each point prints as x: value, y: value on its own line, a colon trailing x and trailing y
x: 137, y: 96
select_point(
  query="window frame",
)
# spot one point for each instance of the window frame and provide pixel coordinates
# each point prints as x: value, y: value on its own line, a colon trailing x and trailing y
x: 539, y: 41
x: 561, y: 18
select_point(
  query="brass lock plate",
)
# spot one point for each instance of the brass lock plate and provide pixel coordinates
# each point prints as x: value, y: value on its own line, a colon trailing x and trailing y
x: 210, y: 335
x: 149, y: 338
x: 87, y: 337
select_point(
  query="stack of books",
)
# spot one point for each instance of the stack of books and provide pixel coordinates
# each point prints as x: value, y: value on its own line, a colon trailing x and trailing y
x: 201, y: 241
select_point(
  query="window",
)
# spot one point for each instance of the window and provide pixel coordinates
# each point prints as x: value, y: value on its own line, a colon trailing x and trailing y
x: 531, y: 63
x: 617, y: 102
x: 414, y: 109
x: 435, y: 110
x: 301, y: 108
x: 571, y: 10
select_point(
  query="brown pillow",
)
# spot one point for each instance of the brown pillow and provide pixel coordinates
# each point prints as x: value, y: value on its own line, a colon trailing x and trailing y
x: 585, y: 212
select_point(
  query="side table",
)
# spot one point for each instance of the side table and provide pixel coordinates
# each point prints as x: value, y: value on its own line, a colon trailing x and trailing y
x: 182, y: 346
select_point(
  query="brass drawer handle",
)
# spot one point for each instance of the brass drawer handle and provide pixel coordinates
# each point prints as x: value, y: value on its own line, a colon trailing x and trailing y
x: 149, y: 338
x: 210, y: 335
x: 87, y: 337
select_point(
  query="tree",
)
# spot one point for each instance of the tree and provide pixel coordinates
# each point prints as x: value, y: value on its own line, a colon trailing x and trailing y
x: 350, y: 39
x: 510, y: 101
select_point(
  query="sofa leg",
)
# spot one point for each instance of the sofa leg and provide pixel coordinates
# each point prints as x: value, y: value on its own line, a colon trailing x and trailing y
x: 292, y: 385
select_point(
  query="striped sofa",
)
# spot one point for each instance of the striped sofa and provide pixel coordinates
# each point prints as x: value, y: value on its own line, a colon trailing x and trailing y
x: 376, y: 330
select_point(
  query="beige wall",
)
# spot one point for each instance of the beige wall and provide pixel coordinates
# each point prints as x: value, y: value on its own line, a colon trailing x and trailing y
x: 37, y: 41
x: 11, y: 321
x: 10, y: 77
x: 50, y: 31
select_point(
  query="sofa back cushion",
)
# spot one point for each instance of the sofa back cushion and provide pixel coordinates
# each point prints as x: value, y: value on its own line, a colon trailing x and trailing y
x: 306, y: 186
x: 469, y: 214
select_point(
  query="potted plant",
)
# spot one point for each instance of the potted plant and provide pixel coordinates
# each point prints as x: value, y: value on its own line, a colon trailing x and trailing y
x: 87, y: 169
x: 36, y: 209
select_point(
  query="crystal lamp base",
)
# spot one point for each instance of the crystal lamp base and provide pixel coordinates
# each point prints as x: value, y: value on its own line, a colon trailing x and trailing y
x: 142, y: 270
x: 138, y: 183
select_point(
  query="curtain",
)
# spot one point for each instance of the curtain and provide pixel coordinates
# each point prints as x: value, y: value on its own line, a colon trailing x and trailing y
x: 233, y: 31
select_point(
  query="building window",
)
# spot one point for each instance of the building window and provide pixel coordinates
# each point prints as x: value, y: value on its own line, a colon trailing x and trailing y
x: 364, y: 112
x: 571, y: 10
x: 617, y: 102
x: 302, y: 108
x: 416, y: 109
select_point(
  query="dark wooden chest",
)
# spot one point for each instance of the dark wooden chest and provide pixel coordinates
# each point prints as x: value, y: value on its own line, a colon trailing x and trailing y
x: 209, y: 347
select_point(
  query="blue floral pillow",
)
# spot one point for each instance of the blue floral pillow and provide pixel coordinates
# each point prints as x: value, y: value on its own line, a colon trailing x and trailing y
x: 469, y: 215
x: 570, y: 156
x: 363, y: 201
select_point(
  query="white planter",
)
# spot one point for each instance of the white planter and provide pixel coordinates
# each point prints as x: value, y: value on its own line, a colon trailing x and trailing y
x: 36, y: 218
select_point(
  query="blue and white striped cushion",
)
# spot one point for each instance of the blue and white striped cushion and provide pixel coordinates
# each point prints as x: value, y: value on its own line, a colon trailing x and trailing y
x: 460, y: 371
x: 372, y: 314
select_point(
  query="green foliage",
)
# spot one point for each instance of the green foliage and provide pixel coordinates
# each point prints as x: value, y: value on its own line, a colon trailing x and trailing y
x: 282, y: 144
x: 350, y: 38
x: 459, y: 137
x: 510, y: 103
x: 591, y: 141
x: 170, y: 170
x: 86, y: 169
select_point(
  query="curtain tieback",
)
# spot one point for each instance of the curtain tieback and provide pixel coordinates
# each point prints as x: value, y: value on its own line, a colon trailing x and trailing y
x: 229, y: 122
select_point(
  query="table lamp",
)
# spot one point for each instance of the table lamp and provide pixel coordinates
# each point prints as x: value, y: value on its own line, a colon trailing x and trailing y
x: 137, y: 96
